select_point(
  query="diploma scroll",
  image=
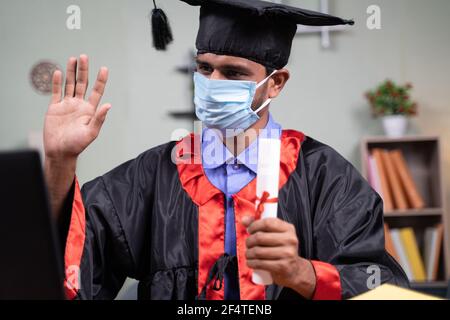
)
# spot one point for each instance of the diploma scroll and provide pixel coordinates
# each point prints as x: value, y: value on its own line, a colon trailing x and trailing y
x: 267, y: 185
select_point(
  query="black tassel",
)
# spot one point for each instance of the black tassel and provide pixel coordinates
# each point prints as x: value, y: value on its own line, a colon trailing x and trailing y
x: 162, y: 33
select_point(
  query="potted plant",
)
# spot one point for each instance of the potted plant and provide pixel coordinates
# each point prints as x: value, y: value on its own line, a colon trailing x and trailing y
x: 393, y: 104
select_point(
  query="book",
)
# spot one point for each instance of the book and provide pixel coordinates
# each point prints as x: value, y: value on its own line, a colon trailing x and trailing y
x: 399, y: 199
x: 374, y: 176
x: 415, y: 261
x: 391, y: 292
x: 390, y: 248
x: 385, y: 190
x: 413, y: 196
x: 401, y: 253
x: 433, y: 245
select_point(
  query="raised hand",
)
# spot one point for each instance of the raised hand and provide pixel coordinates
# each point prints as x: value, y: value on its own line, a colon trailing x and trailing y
x: 72, y: 123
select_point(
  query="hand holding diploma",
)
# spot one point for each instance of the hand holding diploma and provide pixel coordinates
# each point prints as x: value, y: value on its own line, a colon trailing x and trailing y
x: 272, y: 245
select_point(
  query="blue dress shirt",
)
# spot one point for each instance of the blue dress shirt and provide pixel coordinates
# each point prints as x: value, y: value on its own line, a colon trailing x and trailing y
x: 230, y: 174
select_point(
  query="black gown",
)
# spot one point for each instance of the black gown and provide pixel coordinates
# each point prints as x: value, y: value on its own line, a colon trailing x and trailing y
x: 140, y: 221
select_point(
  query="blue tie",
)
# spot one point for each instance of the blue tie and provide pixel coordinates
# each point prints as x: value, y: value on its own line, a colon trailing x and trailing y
x: 231, y: 274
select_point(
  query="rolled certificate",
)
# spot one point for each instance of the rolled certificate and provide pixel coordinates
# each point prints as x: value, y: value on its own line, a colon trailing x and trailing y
x: 267, y: 184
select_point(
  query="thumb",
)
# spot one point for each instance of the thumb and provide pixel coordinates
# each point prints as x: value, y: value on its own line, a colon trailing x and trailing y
x: 100, y: 116
x: 247, y: 221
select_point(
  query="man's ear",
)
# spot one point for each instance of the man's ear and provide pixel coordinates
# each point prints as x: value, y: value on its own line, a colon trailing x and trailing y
x: 277, y: 82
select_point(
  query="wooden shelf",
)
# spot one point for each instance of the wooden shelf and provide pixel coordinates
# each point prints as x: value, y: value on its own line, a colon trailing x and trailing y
x: 423, y: 156
x: 415, y: 213
x: 383, y: 139
x: 424, y: 160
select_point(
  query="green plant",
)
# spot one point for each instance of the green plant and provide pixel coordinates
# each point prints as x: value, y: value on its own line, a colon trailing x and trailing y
x: 391, y: 99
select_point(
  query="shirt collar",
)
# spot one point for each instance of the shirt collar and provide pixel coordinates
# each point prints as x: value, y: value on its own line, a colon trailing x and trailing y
x: 215, y: 153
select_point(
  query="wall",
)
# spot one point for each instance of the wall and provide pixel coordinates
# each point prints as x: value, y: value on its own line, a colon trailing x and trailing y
x: 324, y: 97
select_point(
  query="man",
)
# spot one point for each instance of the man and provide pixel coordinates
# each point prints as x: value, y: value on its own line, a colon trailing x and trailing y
x: 180, y: 218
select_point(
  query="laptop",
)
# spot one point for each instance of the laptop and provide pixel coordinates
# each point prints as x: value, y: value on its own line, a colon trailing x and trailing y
x: 30, y: 257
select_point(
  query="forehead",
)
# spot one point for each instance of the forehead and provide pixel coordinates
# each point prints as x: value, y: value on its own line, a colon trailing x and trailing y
x: 218, y: 61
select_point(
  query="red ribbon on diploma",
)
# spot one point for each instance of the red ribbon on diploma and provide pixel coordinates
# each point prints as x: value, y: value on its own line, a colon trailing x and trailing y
x: 264, y: 199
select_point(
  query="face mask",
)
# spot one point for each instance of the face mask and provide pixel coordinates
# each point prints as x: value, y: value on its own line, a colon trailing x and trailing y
x: 227, y: 104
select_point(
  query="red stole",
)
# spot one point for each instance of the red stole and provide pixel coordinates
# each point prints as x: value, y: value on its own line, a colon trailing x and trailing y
x: 211, y: 210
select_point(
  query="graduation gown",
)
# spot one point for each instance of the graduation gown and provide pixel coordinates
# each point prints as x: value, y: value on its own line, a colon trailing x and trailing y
x: 159, y: 220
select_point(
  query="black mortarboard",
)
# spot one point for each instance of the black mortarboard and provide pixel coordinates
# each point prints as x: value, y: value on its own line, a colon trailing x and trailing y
x: 257, y: 30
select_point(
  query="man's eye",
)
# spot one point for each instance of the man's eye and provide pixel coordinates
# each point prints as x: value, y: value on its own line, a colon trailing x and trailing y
x: 234, y: 74
x: 204, y: 69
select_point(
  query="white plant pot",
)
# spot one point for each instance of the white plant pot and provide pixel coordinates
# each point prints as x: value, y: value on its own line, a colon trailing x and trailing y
x: 395, y: 126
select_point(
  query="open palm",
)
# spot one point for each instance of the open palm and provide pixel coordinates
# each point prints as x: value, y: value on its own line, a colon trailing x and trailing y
x: 71, y: 122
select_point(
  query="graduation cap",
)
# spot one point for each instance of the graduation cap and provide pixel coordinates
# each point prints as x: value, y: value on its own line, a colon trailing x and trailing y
x: 257, y: 30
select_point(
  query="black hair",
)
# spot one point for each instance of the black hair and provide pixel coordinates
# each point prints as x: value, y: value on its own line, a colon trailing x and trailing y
x: 269, y: 71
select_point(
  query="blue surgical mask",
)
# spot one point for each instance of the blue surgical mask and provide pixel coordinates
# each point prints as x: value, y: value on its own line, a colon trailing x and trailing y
x: 227, y: 104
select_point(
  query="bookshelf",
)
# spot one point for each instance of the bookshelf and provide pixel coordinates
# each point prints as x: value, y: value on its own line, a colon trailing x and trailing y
x: 422, y: 155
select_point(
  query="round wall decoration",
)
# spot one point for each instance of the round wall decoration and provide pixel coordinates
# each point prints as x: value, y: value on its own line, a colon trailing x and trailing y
x: 41, y: 76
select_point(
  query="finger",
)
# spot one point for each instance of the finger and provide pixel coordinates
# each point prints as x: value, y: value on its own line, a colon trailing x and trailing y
x: 82, y: 77
x: 265, y: 239
x: 269, y: 225
x: 272, y: 266
x: 270, y: 253
x: 56, y: 86
x: 99, y: 87
x: 70, y: 77
x: 247, y: 221
x: 99, y: 118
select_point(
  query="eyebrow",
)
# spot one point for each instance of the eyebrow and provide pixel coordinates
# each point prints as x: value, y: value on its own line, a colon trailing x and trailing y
x: 234, y: 67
